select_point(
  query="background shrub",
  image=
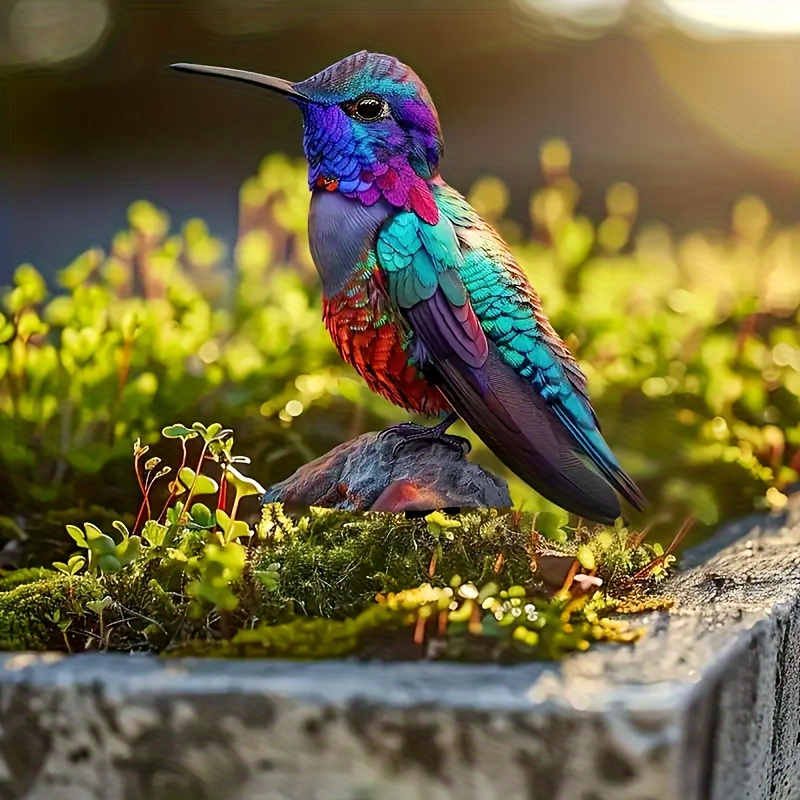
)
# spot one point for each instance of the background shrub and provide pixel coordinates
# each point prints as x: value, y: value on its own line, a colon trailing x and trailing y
x: 691, y: 344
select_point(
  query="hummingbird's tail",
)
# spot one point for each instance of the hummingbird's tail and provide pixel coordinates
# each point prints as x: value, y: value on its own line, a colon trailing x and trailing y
x: 518, y: 426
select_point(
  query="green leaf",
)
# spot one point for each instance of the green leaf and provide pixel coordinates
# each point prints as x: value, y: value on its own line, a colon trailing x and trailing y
x: 233, y: 529
x: 237, y: 530
x: 178, y: 431
x: 439, y: 523
x: 77, y: 534
x: 129, y: 550
x: 223, y: 519
x: 154, y: 533
x: 202, y: 483
x: 99, y: 606
x: 245, y: 487
x: 76, y: 564
x: 120, y: 526
x: 98, y: 542
x: 109, y: 563
x: 201, y: 516
x: 211, y: 432
x: 551, y: 525
x: 269, y: 577
x: 174, y: 514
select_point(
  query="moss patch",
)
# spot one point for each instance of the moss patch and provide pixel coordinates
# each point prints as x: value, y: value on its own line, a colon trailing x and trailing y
x: 478, y: 586
x: 47, y: 613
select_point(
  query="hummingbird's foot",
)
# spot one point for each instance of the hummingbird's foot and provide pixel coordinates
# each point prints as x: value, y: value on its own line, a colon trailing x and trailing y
x: 411, y: 432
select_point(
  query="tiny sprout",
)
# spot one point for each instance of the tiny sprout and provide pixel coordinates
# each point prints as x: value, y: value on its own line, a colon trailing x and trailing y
x: 439, y: 524
x: 152, y: 463
x: 213, y: 434
x: 178, y: 431
x: 72, y: 567
x: 99, y: 606
x: 138, y: 449
x: 244, y: 486
x: 162, y: 472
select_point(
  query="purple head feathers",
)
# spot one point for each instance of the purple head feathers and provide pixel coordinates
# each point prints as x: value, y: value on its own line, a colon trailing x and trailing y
x: 370, y: 129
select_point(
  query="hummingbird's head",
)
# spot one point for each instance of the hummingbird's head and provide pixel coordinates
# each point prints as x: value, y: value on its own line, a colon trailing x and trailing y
x: 370, y: 128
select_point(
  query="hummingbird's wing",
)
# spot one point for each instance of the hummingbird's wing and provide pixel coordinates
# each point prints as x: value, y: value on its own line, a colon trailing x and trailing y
x: 480, y: 334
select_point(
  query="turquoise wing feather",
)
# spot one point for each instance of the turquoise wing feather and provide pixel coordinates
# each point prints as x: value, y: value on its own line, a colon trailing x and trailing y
x: 479, y: 329
x: 511, y: 315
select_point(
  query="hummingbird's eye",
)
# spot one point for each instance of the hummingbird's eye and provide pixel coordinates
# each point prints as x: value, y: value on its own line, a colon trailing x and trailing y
x: 367, y: 108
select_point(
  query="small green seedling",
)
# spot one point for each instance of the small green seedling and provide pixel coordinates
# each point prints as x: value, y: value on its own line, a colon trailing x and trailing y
x: 72, y: 567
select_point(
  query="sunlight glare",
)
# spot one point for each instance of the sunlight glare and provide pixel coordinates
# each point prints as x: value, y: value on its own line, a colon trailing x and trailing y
x: 773, y: 17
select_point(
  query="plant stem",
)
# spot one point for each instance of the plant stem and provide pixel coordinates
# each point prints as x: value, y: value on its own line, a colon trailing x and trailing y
x: 235, y: 506
x: 222, y: 495
x: 175, y: 481
x: 194, y: 483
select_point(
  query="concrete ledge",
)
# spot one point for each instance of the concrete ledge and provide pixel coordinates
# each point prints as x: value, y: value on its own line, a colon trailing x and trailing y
x: 706, y: 705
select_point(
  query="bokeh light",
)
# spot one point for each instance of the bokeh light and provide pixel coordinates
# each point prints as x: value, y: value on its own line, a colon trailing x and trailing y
x: 774, y: 17
x: 579, y: 18
x: 51, y: 31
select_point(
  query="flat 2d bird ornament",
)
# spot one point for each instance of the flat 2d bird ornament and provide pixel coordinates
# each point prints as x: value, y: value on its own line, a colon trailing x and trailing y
x: 424, y: 299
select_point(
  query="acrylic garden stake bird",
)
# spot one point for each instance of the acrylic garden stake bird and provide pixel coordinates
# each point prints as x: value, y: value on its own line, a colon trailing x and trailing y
x: 424, y: 299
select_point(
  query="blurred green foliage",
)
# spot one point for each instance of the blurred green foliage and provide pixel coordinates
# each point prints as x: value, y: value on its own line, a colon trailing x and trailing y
x: 691, y: 345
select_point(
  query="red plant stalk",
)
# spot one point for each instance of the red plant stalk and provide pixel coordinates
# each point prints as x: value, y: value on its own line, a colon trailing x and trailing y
x: 175, y: 483
x: 222, y: 497
x: 145, y: 502
x: 194, y: 482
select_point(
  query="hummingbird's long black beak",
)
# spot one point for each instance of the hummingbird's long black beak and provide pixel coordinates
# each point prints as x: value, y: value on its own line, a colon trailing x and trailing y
x: 276, y: 84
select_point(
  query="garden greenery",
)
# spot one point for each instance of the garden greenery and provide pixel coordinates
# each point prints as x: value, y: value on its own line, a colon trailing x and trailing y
x: 691, y: 345
x: 191, y: 577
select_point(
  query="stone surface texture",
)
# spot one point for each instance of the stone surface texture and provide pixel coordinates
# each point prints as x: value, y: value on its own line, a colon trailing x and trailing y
x: 706, y: 705
x: 369, y: 474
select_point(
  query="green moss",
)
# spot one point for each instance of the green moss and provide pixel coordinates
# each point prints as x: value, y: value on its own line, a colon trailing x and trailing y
x: 332, y: 563
x: 475, y: 586
x: 17, y: 577
x: 47, y: 614
x: 316, y: 638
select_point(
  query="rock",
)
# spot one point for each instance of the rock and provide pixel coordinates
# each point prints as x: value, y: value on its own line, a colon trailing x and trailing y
x: 365, y: 474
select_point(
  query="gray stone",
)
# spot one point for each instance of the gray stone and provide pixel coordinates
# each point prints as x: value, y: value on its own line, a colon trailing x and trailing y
x: 380, y: 472
x: 706, y: 705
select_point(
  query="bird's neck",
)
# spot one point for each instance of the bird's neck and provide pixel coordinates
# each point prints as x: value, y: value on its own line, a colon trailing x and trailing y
x: 341, y: 234
x: 394, y: 182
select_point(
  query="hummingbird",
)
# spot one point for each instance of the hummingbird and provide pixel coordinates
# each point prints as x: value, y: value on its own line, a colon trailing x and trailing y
x: 424, y: 299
